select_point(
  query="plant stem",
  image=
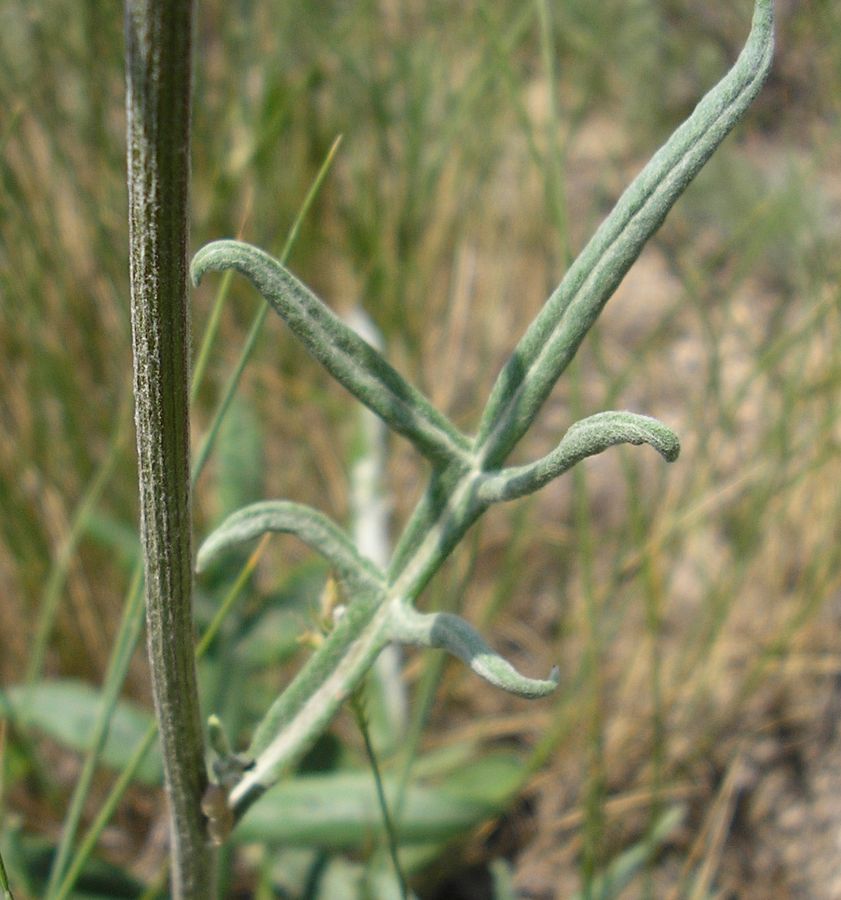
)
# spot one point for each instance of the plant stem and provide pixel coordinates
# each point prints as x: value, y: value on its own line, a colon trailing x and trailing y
x: 358, y: 707
x: 158, y: 66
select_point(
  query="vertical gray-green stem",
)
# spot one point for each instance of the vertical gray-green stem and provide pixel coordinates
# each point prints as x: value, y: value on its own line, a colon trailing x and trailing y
x: 158, y: 65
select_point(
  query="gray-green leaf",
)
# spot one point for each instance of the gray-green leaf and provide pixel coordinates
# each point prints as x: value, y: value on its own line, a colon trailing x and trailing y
x: 351, y: 360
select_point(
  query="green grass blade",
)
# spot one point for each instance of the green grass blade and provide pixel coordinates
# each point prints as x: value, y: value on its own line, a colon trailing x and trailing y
x: 88, y: 843
x: 51, y: 597
x: 4, y: 881
x: 125, y: 643
x: 621, y: 872
x: 388, y: 822
x: 103, y: 816
x: 209, y: 336
x: 256, y: 326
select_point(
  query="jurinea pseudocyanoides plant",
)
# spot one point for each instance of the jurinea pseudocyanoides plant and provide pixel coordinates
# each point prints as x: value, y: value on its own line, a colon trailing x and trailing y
x: 467, y: 473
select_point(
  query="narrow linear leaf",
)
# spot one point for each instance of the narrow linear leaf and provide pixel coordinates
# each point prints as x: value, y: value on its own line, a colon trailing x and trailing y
x: 358, y: 706
x: 309, y: 525
x: 453, y: 634
x: 587, y: 437
x: 552, y: 340
x: 350, y: 360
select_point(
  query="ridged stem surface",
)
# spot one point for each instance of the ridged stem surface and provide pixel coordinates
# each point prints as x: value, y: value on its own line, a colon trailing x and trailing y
x: 158, y: 68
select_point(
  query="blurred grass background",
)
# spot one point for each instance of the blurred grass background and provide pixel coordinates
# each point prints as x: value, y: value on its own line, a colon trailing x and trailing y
x: 695, y: 610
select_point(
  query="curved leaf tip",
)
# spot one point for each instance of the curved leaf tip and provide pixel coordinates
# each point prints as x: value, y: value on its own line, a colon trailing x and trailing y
x: 587, y: 437
x: 214, y: 256
x: 309, y: 525
x: 449, y: 632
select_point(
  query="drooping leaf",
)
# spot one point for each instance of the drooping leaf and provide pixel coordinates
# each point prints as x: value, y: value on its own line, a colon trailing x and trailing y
x: 352, y: 361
